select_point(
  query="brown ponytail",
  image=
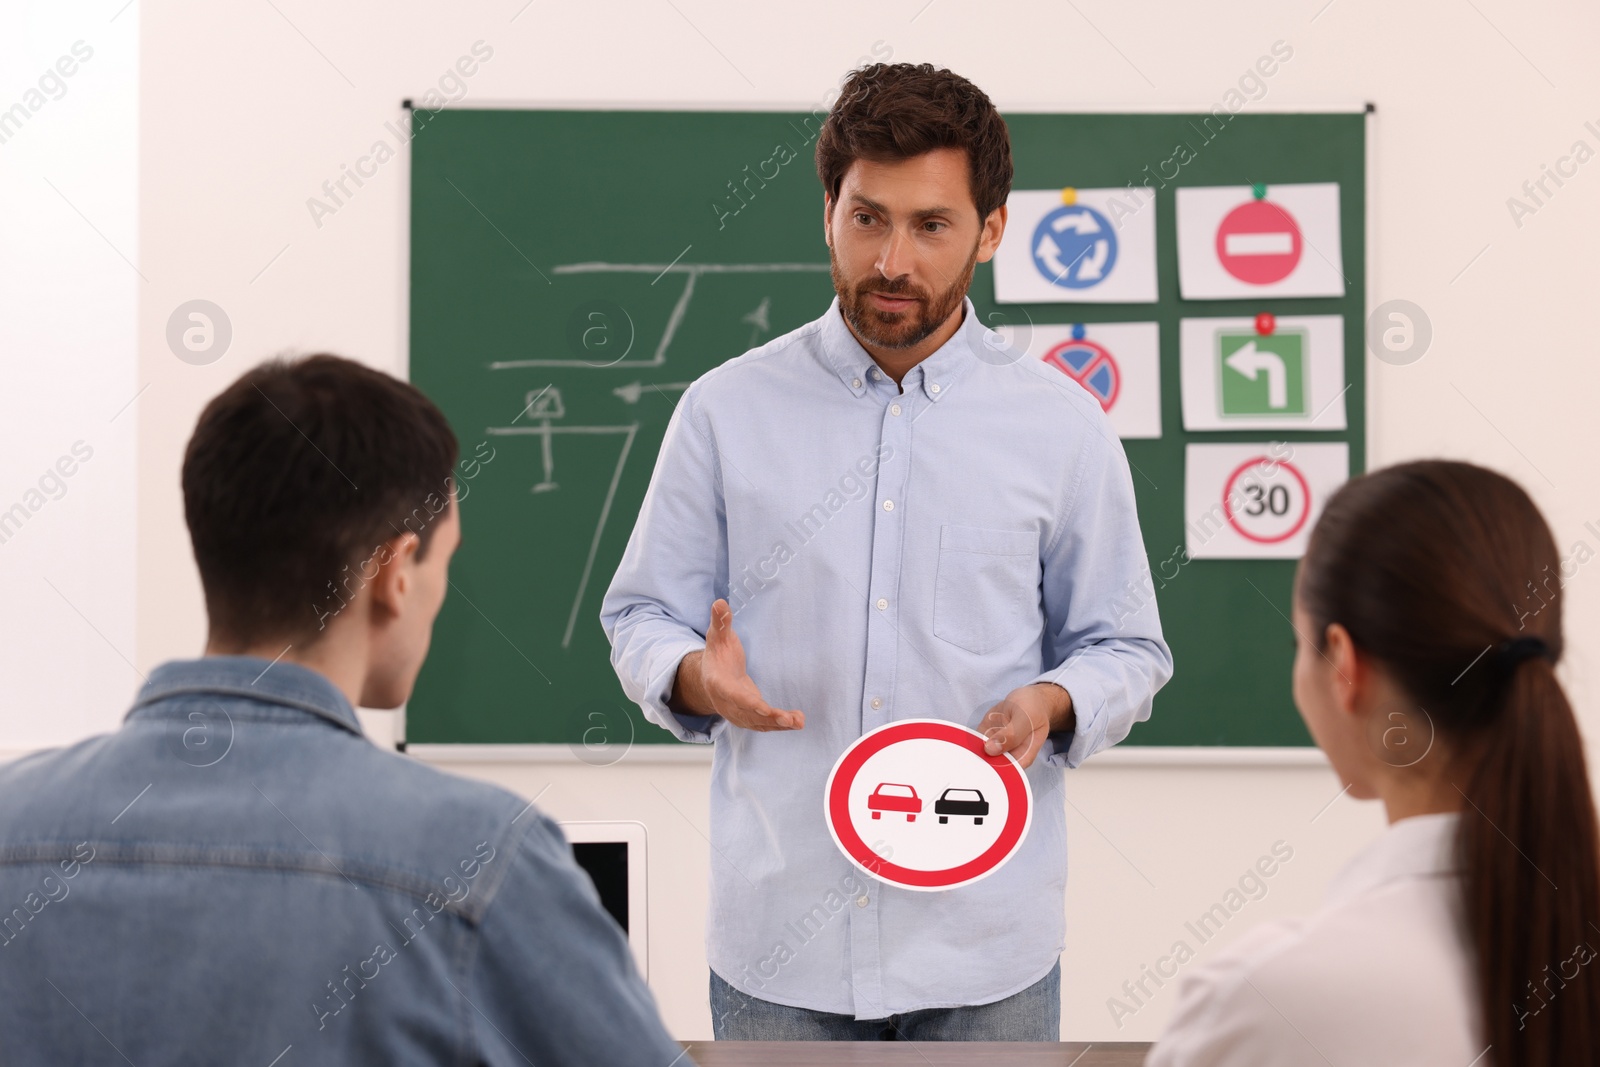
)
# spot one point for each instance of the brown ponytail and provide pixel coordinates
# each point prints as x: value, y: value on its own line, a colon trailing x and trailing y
x: 1443, y: 571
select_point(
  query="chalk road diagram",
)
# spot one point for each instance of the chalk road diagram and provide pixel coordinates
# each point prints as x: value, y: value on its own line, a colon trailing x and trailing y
x: 543, y: 408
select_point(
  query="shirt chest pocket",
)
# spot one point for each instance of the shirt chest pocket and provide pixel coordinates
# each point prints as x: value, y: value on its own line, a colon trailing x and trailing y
x: 986, y: 591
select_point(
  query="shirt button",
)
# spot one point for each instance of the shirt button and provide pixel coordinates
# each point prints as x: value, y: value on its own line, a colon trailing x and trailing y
x: 882, y: 603
x: 861, y: 902
x: 875, y: 375
x: 876, y: 703
x: 934, y: 387
x: 888, y: 505
x: 856, y: 382
x: 894, y: 409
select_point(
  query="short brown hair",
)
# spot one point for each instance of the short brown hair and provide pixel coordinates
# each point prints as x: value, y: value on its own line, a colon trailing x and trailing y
x: 893, y: 111
x: 296, y: 475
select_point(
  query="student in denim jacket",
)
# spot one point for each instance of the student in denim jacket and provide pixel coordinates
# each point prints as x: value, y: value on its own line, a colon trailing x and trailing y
x: 237, y: 874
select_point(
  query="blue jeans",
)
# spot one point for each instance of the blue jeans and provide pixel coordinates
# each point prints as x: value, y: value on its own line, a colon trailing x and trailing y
x: 1034, y: 1014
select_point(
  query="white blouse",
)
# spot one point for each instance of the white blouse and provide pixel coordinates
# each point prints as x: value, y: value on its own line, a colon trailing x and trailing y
x: 1381, y: 975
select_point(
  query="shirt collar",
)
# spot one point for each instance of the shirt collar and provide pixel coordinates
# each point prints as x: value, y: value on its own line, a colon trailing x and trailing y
x: 252, y: 677
x: 936, y: 375
x: 1418, y: 846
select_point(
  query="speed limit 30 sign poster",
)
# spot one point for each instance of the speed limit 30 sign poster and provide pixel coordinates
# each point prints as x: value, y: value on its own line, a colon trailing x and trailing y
x: 1258, y: 500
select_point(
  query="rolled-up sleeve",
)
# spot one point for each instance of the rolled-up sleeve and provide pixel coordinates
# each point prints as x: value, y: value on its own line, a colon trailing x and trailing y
x: 1102, y: 631
x: 658, y: 607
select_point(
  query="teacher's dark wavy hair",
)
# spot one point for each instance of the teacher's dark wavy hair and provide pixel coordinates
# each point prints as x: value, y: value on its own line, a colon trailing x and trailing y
x: 1428, y: 565
x: 887, y: 112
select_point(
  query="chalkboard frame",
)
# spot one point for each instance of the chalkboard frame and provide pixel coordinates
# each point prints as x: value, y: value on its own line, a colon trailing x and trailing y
x: 594, y: 721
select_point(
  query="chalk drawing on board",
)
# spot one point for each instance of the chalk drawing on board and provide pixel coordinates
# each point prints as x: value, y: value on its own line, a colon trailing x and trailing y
x: 546, y: 430
x: 631, y: 392
x: 546, y: 406
x: 691, y: 271
x: 758, y: 320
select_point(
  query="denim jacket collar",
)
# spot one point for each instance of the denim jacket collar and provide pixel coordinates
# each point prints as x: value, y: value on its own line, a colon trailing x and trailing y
x: 253, y: 678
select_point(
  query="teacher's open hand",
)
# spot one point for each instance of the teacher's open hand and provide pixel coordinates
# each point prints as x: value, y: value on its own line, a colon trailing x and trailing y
x: 715, y: 682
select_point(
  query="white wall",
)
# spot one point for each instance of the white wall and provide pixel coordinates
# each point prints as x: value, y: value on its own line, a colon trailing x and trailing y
x: 245, y: 109
x: 69, y: 290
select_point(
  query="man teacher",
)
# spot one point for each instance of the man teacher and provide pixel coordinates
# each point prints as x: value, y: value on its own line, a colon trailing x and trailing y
x: 887, y: 514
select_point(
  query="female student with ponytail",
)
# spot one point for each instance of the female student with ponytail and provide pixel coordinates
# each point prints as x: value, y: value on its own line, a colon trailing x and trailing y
x: 1469, y: 933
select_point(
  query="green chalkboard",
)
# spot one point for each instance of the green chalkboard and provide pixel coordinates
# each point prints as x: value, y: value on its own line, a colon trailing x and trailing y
x: 572, y: 271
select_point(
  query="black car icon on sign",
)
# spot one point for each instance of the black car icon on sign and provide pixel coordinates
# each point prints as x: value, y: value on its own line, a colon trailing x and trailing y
x: 961, y: 802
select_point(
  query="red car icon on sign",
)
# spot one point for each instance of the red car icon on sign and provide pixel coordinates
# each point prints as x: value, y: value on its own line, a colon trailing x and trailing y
x: 892, y: 796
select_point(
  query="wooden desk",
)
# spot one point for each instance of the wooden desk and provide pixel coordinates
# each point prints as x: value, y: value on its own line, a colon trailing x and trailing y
x: 916, y: 1053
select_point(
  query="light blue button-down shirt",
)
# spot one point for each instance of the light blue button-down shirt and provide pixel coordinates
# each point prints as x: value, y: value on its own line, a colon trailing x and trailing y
x: 889, y: 554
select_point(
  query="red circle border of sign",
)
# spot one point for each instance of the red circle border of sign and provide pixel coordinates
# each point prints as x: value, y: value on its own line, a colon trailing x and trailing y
x: 836, y: 799
x: 1305, y: 490
x: 1105, y: 356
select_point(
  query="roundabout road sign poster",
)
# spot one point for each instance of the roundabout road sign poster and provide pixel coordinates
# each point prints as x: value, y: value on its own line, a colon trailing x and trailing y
x: 937, y: 810
x: 1095, y: 246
